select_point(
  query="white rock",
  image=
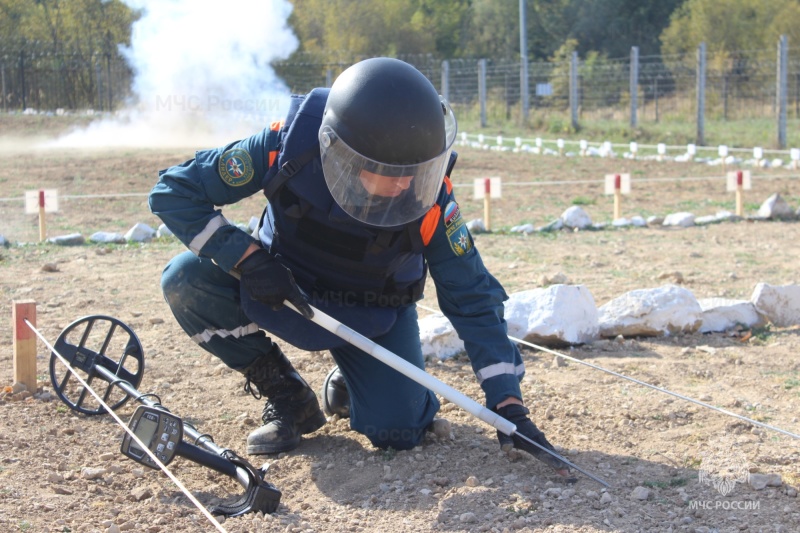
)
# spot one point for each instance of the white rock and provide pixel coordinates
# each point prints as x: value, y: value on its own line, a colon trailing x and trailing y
x: 438, y: 337
x: 559, y: 314
x: 775, y: 207
x: 682, y: 219
x: 640, y: 493
x: 140, y: 232
x: 72, y: 239
x: 780, y: 304
x: 525, y: 228
x: 650, y: 312
x: 476, y: 226
x: 576, y: 217
x: 164, y: 231
x: 107, y: 237
x: 722, y: 314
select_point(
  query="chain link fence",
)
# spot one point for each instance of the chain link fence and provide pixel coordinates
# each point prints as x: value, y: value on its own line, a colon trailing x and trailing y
x: 635, y: 90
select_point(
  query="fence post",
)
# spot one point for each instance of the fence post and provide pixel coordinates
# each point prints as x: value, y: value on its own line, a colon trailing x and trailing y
x: 523, y: 60
x: 446, y: 79
x: 22, y: 80
x: 573, y: 90
x: 5, y: 96
x: 783, y: 53
x: 328, y: 77
x: 655, y: 92
x: 701, y: 94
x: 482, y: 89
x: 634, y: 85
x: 99, y: 76
x: 109, y: 88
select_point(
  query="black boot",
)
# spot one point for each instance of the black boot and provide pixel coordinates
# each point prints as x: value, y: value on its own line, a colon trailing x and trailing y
x: 291, y: 409
x: 335, y: 396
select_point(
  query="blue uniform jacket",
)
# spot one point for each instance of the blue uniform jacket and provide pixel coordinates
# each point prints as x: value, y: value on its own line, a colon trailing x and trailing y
x: 187, y: 197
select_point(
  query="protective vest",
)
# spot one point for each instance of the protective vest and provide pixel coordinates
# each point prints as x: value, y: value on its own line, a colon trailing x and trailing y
x: 330, y: 254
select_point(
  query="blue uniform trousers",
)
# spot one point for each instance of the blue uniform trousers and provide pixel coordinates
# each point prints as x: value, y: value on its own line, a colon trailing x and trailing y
x: 387, y: 407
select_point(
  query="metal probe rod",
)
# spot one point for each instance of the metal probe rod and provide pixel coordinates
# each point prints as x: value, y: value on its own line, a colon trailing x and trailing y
x: 426, y: 380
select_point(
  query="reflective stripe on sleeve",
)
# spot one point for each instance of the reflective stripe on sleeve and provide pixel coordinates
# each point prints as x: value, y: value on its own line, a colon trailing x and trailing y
x: 203, y: 237
x: 241, y: 331
x: 499, y: 369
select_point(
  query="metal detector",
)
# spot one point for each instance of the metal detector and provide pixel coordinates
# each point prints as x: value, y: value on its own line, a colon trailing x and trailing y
x: 103, y: 348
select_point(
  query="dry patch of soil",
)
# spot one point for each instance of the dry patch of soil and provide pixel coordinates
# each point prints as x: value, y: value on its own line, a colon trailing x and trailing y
x: 336, y: 481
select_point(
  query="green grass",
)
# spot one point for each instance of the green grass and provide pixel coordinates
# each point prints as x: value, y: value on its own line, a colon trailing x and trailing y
x: 763, y: 333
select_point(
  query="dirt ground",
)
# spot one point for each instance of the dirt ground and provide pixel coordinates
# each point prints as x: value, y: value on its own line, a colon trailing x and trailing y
x: 61, y: 471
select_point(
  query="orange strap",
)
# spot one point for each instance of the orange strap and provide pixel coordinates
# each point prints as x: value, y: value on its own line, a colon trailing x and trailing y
x: 275, y: 126
x: 432, y: 217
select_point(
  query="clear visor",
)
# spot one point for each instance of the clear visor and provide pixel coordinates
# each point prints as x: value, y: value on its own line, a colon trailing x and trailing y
x: 380, y: 194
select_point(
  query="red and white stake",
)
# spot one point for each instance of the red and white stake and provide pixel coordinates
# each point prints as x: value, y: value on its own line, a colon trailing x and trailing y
x: 487, y: 206
x: 617, y: 196
x: 24, y: 343
x: 739, y: 196
x: 42, y: 220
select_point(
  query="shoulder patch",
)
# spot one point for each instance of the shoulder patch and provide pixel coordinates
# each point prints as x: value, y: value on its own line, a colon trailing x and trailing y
x: 236, y: 167
x: 456, y: 229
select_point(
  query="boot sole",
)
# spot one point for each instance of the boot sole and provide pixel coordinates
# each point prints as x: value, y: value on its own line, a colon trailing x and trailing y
x: 309, y: 426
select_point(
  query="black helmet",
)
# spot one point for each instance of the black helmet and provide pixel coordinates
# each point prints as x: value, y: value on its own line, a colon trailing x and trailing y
x: 385, y: 142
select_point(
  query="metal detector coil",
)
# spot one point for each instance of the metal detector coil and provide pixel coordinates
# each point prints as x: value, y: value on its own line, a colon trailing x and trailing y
x: 106, y: 350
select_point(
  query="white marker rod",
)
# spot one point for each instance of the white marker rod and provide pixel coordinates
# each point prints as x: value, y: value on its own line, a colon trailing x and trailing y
x: 426, y: 380
x: 410, y: 371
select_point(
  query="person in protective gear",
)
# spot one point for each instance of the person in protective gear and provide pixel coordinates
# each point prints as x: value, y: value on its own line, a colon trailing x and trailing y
x: 360, y: 210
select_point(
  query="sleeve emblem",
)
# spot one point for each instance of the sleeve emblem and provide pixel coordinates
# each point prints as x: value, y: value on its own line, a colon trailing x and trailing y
x: 456, y: 230
x: 236, y: 167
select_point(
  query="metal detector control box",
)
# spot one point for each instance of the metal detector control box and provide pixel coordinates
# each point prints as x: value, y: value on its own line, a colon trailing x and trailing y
x: 159, y: 430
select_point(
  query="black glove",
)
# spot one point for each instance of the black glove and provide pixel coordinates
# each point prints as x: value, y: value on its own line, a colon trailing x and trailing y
x: 518, y: 415
x: 266, y: 280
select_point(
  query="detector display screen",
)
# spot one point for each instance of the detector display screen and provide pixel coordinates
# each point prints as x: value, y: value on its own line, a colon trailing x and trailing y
x: 145, y: 430
x: 160, y: 431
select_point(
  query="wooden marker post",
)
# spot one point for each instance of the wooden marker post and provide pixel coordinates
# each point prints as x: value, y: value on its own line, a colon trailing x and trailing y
x: 487, y: 206
x: 24, y: 344
x: 487, y: 188
x: 739, y: 202
x: 41, y: 202
x: 618, y: 184
x: 739, y: 181
x: 42, y: 220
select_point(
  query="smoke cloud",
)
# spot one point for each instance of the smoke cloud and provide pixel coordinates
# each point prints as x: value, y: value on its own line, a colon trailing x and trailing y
x: 202, y: 74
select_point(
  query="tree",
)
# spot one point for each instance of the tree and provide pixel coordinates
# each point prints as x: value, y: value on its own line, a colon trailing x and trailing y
x: 730, y: 26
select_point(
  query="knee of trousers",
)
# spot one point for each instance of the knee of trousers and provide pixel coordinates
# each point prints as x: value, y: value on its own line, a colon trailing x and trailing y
x: 184, y: 275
